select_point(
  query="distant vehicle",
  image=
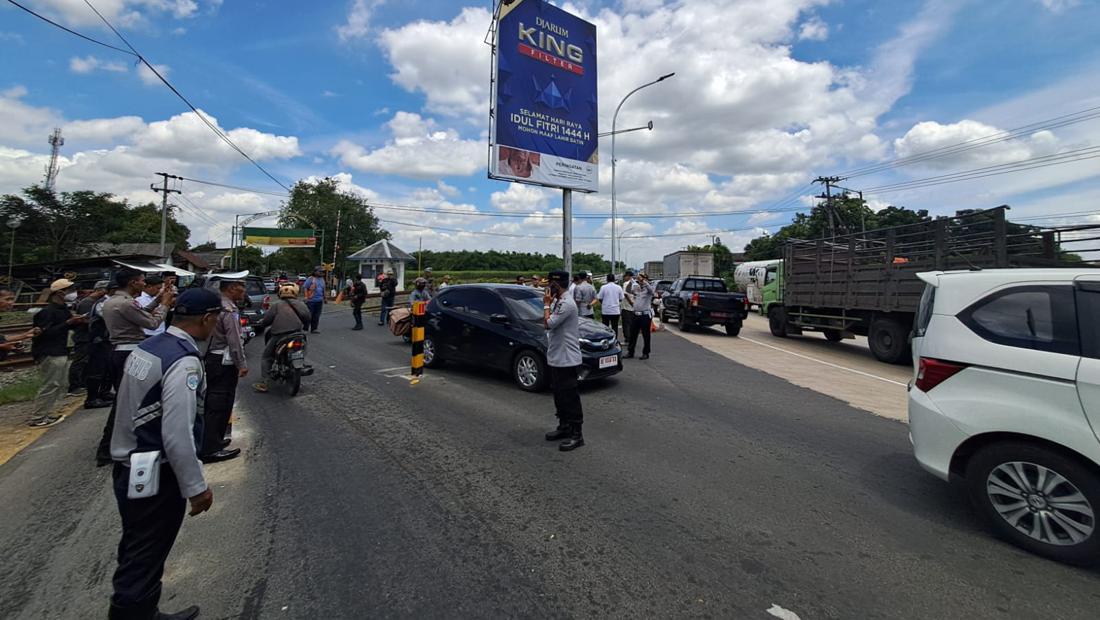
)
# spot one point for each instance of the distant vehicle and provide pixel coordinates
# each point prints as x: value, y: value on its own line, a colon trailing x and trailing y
x: 688, y: 263
x: 746, y: 281
x: 255, y: 304
x: 866, y: 283
x: 704, y: 301
x: 663, y: 287
x: 1006, y: 400
x: 501, y: 326
x: 270, y: 285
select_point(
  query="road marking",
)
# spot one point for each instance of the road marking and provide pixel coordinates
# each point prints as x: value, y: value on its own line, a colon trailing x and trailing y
x: 782, y: 614
x: 819, y: 361
x: 382, y: 371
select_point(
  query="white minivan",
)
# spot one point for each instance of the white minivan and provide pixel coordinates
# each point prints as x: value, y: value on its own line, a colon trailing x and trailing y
x: 1006, y: 399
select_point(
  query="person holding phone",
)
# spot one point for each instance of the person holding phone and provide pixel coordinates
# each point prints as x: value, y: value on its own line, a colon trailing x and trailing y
x: 642, y: 316
x: 563, y: 356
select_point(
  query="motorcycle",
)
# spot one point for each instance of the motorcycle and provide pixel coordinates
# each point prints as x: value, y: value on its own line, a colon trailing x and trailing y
x: 289, y: 365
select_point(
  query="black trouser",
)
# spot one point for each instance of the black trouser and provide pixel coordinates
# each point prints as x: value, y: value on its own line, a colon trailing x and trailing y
x: 357, y: 313
x: 627, y: 317
x: 612, y: 321
x: 149, y: 529
x: 315, y: 308
x: 97, y: 376
x: 639, y: 324
x: 221, y: 389
x: 116, y: 366
x: 567, y: 398
x: 78, y: 363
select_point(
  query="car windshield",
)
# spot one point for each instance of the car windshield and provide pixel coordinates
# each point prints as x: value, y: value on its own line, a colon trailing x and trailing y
x: 524, y: 304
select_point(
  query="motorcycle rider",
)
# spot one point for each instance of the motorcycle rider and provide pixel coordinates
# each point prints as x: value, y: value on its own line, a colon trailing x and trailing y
x: 288, y: 315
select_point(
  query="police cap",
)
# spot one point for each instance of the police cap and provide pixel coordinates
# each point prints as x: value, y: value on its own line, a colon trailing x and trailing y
x: 153, y: 280
x: 561, y: 277
x: 197, y: 301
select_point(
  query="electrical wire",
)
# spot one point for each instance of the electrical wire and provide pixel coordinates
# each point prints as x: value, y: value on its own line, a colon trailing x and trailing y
x: 988, y: 171
x: 71, y: 31
x: 975, y: 143
x: 242, y: 189
x: 217, y: 131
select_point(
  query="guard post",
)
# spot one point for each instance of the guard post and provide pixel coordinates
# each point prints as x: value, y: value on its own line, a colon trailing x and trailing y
x: 417, y: 337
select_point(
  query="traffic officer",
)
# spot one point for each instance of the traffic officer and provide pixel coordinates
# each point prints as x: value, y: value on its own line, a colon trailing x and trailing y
x: 126, y: 321
x: 225, y: 365
x: 563, y: 356
x: 160, y: 402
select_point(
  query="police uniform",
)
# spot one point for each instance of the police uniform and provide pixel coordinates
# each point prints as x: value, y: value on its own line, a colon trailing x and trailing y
x: 224, y: 360
x: 563, y: 356
x: 126, y: 322
x: 159, y: 409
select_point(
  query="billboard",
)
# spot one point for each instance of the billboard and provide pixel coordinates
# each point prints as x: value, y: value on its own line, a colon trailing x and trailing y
x: 283, y: 237
x: 544, y: 98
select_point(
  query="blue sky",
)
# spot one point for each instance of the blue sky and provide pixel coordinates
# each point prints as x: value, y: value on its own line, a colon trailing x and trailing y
x: 392, y: 98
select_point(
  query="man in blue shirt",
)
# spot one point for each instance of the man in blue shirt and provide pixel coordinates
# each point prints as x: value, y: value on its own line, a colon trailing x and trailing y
x: 315, y: 298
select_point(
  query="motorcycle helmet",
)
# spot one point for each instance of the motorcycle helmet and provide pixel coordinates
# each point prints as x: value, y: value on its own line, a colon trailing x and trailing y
x: 288, y: 290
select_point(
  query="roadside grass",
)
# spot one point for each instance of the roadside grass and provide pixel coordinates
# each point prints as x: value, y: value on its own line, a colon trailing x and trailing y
x: 20, y: 391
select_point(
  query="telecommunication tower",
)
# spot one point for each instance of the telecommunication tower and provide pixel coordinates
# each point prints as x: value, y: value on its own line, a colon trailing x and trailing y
x: 55, y: 149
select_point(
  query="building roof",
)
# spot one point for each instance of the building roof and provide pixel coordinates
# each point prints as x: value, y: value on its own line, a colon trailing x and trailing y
x: 130, y: 249
x: 193, y: 258
x: 380, y: 251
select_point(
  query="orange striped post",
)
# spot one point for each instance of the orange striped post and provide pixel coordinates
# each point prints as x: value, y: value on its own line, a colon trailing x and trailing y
x: 417, y: 337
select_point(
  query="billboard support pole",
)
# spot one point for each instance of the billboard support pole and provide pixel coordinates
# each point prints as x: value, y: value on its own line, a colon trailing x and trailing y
x: 567, y: 230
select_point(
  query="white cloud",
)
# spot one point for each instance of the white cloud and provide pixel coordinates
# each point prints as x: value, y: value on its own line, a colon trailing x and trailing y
x: 417, y: 150
x: 358, y: 21
x: 102, y: 131
x: 446, y: 61
x: 930, y: 136
x: 1058, y: 6
x: 148, y: 77
x: 122, y: 13
x: 813, y: 29
x: 520, y: 197
x: 90, y: 64
x: 185, y: 137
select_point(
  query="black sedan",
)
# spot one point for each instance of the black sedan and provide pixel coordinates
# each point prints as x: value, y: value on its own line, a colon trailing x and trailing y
x: 501, y: 326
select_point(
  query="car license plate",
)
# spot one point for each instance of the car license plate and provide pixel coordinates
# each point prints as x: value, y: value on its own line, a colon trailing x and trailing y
x: 720, y: 315
x: 297, y: 355
x: 609, y: 361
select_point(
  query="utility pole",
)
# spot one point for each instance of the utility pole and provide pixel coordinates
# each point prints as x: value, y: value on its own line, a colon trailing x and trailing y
x: 828, y: 182
x: 164, y: 191
x: 52, y: 169
x: 336, y: 241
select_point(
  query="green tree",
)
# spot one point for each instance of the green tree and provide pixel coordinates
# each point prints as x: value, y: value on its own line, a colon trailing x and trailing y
x: 209, y: 246
x: 318, y: 206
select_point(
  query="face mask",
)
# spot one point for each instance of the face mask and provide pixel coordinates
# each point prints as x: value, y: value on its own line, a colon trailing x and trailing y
x: 70, y: 297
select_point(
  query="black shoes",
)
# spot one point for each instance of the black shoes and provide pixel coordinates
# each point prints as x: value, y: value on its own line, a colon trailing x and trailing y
x: 572, y: 443
x: 97, y: 404
x: 221, y: 455
x: 628, y: 356
x: 314, y: 331
x: 562, y: 432
x: 644, y: 356
x: 190, y: 613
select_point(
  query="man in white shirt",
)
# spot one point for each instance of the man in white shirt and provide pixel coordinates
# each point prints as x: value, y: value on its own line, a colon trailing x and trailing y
x: 148, y: 298
x: 610, y: 298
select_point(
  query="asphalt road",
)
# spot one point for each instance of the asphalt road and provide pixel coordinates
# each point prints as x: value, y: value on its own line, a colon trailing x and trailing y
x: 706, y: 489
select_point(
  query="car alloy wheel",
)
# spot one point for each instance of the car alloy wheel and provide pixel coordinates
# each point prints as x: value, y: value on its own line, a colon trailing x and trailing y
x: 527, y: 371
x: 1040, y: 503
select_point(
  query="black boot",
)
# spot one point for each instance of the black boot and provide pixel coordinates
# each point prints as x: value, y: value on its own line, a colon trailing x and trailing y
x: 575, y: 440
x: 190, y: 613
x: 563, y: 431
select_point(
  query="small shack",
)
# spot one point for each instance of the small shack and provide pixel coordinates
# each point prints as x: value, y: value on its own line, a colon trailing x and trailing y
x: 379, y: 257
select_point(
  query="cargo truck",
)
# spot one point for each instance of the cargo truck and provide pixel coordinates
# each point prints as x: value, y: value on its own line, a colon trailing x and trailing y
x: 866, y: 283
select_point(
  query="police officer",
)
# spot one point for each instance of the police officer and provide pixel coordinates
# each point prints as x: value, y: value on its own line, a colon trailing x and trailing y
x: 563, y: 355
x: 160, y: 401
x: 126, y: 321
x: 225, y: 365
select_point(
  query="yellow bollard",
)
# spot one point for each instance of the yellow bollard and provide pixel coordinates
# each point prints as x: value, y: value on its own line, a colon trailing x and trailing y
x: 417, y: 337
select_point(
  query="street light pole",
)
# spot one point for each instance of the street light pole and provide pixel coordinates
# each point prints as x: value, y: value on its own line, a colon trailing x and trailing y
x: 628, y: 229
x: 13, y: 223
x: 614, y: 121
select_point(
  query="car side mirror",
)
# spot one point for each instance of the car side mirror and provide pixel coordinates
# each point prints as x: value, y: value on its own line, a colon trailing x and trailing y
x: 499, y: 319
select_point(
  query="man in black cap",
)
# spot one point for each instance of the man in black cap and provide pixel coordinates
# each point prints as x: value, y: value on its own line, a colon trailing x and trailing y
x: 159, y: 424
x: 563, y: 356
x: 226, y: 364
x: 86, y: 371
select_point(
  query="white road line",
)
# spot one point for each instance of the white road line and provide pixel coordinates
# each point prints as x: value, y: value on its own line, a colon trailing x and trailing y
x: 830, y: 364
x: 383, y: 371
x: 782, y: 614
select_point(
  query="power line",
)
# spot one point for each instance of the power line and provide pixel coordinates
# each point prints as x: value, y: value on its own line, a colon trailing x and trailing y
x: 217, y: 131
x: 70, y: 31
x: 979, y: 142
x: 988, y: 171
x: 242, y: 189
